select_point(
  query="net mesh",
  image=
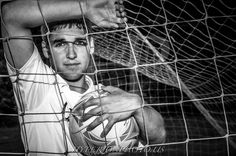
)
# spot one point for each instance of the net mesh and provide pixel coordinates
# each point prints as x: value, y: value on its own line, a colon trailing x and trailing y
x: 180, y: 57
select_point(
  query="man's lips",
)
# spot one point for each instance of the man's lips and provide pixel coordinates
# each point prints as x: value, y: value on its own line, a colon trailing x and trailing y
x: 71, y: 64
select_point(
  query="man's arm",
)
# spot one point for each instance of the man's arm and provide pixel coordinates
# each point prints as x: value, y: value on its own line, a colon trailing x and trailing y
x: 154, y: 125
x: 128, y: 105
x: 22, y: 15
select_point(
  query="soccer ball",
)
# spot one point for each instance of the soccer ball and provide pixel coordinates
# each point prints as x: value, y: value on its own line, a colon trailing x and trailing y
x: 122, y: 136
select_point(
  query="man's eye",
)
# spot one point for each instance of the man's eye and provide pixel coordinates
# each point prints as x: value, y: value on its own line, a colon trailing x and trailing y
x: 60, y: 44
x: 80, y: 43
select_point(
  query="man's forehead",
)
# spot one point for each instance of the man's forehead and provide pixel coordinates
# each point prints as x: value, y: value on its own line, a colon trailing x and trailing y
x: 68, y: 32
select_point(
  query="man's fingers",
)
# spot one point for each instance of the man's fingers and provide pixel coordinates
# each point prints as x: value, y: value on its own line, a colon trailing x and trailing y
x: 119, y: 1
x: 108, y: 127
x: 97, y: 122
x: 123, y: 14
x: 106, y: 13
x: 93, y: 112
x: 90, y: 102
x: 118, y: 14
x: 107, y: 24
x: 78, y: 111
x: 120, y: 10
x: 115, y: 14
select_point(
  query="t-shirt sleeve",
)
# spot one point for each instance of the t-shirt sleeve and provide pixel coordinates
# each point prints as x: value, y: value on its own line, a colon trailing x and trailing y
x: 29, y: 67
x: 31, y: 82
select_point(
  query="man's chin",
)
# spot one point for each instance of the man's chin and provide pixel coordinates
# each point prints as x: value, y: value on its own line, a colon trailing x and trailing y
x: 72, y: 78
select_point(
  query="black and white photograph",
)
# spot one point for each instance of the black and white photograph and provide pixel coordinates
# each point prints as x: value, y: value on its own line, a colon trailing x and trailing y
x: 118, y: 78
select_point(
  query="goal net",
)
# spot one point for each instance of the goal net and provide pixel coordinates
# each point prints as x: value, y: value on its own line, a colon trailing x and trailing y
x: 179, y: 56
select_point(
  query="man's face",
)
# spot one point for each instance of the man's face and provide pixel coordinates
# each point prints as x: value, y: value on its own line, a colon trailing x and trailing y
x: 71, y: 52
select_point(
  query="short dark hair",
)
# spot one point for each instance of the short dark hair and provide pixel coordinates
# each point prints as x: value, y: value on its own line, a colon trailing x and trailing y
x: 81, y: 23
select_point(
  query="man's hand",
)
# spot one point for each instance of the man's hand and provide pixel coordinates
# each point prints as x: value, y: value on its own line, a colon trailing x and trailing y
x: 105, y: 13
x: 117, y: 106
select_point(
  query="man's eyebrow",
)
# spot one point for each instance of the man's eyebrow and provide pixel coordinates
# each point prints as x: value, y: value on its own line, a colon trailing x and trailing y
x: 63, y: 40
x: 58, y: 40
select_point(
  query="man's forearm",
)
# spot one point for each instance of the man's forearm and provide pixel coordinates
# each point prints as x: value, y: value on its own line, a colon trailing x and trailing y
x: 153, y: 124
x: 26, y: 13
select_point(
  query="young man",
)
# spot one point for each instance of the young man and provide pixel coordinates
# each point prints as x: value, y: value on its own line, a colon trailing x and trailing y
x: 44, y: 94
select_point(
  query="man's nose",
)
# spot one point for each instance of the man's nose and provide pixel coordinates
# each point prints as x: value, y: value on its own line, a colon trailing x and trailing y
x: 71, y: 54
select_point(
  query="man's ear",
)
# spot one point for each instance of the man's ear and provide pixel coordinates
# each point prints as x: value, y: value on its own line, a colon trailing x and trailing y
x: 45, y: 49
x: 91, y: 46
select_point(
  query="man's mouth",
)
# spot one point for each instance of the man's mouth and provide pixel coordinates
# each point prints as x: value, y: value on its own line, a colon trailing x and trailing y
x: 72, y: 64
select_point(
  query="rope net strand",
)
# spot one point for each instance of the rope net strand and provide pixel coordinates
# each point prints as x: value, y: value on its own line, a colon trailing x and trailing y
x: 178, y: 55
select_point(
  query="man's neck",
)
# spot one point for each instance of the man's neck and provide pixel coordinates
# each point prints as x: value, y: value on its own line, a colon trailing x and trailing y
x: 79, y: 86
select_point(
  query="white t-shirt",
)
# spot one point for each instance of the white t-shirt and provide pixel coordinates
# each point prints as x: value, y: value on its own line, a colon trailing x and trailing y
x: 41, y: 95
